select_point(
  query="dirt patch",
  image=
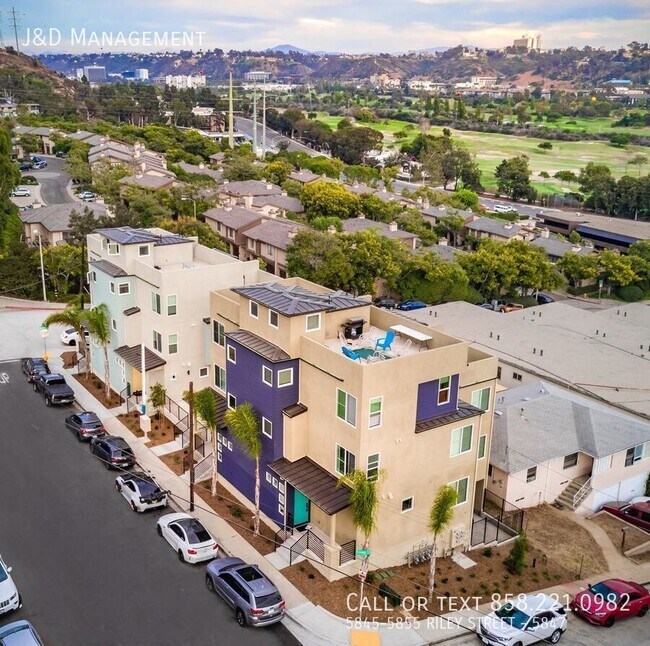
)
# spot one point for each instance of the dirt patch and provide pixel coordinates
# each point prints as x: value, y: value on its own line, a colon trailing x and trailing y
x: 558, y: 534
x: 239, y: 517
x: 488, y: 577
x: 132, y: 422
x: 175, y: 460
x: 612, y: 526
x: 95, y: 386
x: 69, y: 359
x: 162, y: 431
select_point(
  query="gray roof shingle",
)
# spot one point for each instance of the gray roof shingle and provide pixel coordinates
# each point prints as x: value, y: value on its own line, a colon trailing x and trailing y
x: 234, y: 217
x: 109, y: 268
x: 559, y: 248
x: 285, y: 202
x: 252, y: 187
x: 133, y: 356
x: 495, y: 227
x: 352, y: 225
x: 259, y: 345
x: 276, y: 232
x: 57, y: 216
x: 464, y: 411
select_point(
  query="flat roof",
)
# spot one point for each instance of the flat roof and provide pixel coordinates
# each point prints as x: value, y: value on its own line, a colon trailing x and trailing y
x: 129, y: 235
x: 622, y: 226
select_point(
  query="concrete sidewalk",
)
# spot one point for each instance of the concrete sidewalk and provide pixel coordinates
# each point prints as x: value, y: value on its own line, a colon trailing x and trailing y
x: 313, y: 625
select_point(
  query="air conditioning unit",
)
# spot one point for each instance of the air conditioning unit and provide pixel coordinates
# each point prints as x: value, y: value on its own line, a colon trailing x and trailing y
x: 458, y: 536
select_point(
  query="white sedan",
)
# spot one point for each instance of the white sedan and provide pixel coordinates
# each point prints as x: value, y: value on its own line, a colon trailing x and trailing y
x: 70, y: 336
x: 141, y: 491
x: 9, y: 597
x: 191, y: 541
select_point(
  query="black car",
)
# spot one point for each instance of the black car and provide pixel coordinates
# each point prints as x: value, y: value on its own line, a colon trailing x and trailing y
x: 54, y: 388
x: 384, y: 301
x: 114, y: 451
x: 26, y: 166
x: 544, y: 299
x: 34, y: 366
x: 85, y: 425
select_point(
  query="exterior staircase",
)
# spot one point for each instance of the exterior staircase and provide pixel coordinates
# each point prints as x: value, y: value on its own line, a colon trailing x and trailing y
x: 574, y: 493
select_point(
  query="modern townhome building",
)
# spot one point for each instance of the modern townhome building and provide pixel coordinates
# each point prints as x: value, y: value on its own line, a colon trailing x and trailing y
x: 416, y: 413
x: 156, y: 286
x: 552, y: 444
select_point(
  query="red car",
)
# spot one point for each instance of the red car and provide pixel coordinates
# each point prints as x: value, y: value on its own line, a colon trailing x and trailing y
x: 637, y: 513
x: 602, y: 604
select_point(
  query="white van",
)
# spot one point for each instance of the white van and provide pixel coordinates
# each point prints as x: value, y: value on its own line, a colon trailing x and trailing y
x: 504, y: 208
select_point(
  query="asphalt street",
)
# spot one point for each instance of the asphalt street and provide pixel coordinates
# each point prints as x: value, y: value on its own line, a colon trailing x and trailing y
x: 53, y: 180
x: 273, y: 138
x: 90, y: 571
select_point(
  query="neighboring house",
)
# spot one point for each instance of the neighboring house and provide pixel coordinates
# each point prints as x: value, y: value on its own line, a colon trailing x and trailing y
x: 152, y: 182
x: 443, y: 251
x: 499, y: 230
x: 201, y: 169
x: 44, y: 134
x: 391, y: 231
x: 433, y: 214
x: 269, y: 240
x: 359, y: 189
x: 156, y: 286
x: 245, y: 191
x: 279, y: 347
x: 278, y: 205
x: 136, y: 157
x: 548, y: 440
x: 305, y: 177
x: 230, y: 222
x: 86, y: 137
x: 52, y: 223
x: 217, y: 158
x: 556, y: 249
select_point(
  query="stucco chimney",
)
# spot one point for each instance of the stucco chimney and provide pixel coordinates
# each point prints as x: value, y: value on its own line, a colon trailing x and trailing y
x: 545, y: 233
x: 331, y: 229
x: 293, y: 231
x: 227, y: 208
x: 248, y: 201
x: 392, y: 226
x: 269, y: 187
x: 361, y: 216
x: 442, y: 242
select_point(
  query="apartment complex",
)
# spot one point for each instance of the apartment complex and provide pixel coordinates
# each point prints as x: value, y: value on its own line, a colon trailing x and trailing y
x: 327, y: 403
x: 156, y: 286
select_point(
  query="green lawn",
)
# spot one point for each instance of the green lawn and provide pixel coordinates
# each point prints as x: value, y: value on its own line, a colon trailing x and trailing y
x: 601, y: 125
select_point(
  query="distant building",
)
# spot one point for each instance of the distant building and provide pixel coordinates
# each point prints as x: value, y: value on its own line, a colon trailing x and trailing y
x: 386, y: 81
x: 483, y: 81
x: 94, y: 73
x: 141, y: 74
x: 257, y: 76
x: 529, y: 42
x: 180, y: 82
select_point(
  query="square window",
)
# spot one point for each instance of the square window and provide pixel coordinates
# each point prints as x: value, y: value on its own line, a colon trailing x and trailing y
x: 268, y: 477
x: 232, y: 401
x: 157, y: 341
x: 172, y: 343
x: 113, y: 249
x: 267, y: 428
x: 220, y: 456
x: 461, y: 440
x: 345, y: 461
x: 281, y: 486
x: 374, y: 419
x: 253, y: 309
x: 531, y: 474
x: 461, y: 487
x: 444, y: 390
x: 229, y: 445
x: 172, y: 309
x: 218, y: 333
x: 275, y: 483
x: 346, y: 407
x: 482, y: 441
x: 281, y: 509
x: 274, y: 319
x: 232, y: 354
x: 570, y: 460
x: 281, y: 498
x: 313, y: 322
x: 516, y: 376
x: 285, y: 377
x: 143, y: 250
x: 123, y: 288
x: 219, y: 377
x: 633, y: 455
x: 372, y: 468
x: 204, y: 372
x: 267, y: 375
x: 407, y: 504
x: 155, y: 302
x: 481, y: 398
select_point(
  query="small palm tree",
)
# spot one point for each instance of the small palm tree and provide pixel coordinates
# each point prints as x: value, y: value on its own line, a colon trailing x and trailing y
x: 364, y: 502
x: 440, y: 516
x: 244, y: 425
x: 72, y: 317
x: 97, y: 322
x: 205, y: 406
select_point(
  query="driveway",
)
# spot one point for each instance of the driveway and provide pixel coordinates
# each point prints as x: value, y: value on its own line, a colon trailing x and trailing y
x: 53, y: 180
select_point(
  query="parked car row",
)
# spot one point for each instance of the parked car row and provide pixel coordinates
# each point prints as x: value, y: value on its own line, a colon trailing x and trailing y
x: 391, y: 304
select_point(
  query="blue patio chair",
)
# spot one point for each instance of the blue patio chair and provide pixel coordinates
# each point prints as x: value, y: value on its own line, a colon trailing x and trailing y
x: 385, y: 342
x: 349, y: 354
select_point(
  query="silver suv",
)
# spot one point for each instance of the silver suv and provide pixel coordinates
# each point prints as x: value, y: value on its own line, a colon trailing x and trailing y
x: 255, y: 600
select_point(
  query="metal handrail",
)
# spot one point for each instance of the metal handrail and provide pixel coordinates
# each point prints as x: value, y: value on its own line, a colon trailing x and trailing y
x: 282, y: 536
x: 316, y: 545
x: 348, y: 552
x: 298, y: 547
x: 581, y: 494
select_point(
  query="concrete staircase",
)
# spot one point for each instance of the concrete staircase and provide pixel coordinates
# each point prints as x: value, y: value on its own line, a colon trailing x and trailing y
x: 565, y: 499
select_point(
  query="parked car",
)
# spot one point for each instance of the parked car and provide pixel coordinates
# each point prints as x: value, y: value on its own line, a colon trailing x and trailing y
x: 639, y: 499
x: 606, y: 602
x: 87, y: 196
x: 504, y: 208
x: 20, y: 191
x: 637, y: 513
x: 85, y: 425
x: 71, y: 337
x: 487, y: 306
x: 510, y: 307
x: 544, y: 299
x: 19, y: 633
x: 411, y: 304
x: 113, y: 451
x: 60, y: 154
x: 9, y: 597
x: 35, y: 158
x: 525, y: 620
x: 34, y: 366
x: 40, y: 164
x: 191, y: 541
x: 54, y: 388
x: 255, y: 600
x: 141, y: 491
x: 384, y: 301
x: 26, y: 166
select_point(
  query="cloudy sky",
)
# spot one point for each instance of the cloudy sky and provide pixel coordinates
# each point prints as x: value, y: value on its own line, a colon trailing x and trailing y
x: 333, y: 25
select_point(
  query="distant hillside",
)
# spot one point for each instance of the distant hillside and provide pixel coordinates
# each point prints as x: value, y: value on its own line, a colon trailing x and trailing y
x: 285, y: 49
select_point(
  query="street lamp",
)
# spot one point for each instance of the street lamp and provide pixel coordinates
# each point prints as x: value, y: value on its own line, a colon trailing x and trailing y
x: 36, y: 232
x: 187, y: 199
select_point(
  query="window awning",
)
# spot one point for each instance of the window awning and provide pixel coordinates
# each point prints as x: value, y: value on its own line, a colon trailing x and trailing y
x: 132, y: 356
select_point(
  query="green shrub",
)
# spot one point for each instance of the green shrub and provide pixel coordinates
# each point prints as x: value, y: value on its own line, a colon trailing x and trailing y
x: 516, y: 560
x: 630, y: 293
x: 236, y: 511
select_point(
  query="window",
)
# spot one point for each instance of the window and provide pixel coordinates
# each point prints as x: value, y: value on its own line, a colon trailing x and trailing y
x: 407, y: 504
x: 490, y: 470
x: 232, y: 401
x: 375, y: 412
x: 274, y: 319
x: 232, y: 354
x: 633, y: 455
x: 461, y: 440
x: 251, y: 243
x: 218, y: 333
x: 499, y: 372
x: 157, y: 341
x: 461, y: 487
x: 143, y: 250
x: 481, y: 398
x: 112, y: 288
x: 92, y: 275
x: 269, y: 249
x: 204, y: 372
x: 113, y: 249
x: 267, y: 427
x: 313, y: 322
x: 123, y: 288
x: 253, y: 309
x: 172, y: 343
x: 155, y: 302
x: 267, y: 375
x: 531, y: 474
x: 172, y: 310
x: 516, y: 376
x: 285, y: 377
x: 570, y: 461
x: 268, y: 477
x: 219, y: 377
x: 114, y: 324
x: 230, y: 232
x: 345, y: 461
x: 346, y: 407
x: 444, y: 390
x: 482, y: 441
x: 372, y: 469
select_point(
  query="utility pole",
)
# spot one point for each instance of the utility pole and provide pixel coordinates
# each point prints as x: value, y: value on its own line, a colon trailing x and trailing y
x: 255, y: 118
x: 83, y: 266
x: 264, y: 120
x: 40, y: 251
x: 13, y: 14
x: 231, y: 116
x: 191, y: 446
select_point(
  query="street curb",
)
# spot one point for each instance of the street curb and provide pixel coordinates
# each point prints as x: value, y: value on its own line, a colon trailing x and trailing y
x: 28, y: 309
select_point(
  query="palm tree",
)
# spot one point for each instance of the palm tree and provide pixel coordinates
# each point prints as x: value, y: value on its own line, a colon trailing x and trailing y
x: 440, y: 516
x: 243, y: 424
x: 97, y: 321
x: 72, y: 317
x: 205, y: 406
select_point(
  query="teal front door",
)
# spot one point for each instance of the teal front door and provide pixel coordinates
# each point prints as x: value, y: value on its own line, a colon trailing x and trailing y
x: 300, y: 508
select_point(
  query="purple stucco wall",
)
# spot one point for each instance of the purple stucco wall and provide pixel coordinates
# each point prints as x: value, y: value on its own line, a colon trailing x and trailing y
x: 428, y: 406
x: 244, y: 381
